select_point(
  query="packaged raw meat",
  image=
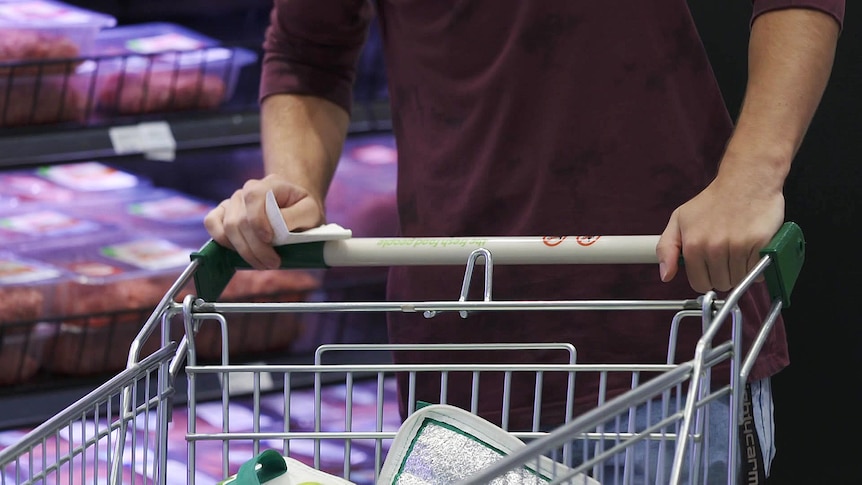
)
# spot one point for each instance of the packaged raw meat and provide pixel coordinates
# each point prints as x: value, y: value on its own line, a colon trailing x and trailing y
x: 64, y: 187
x: 27, y: 296
x: 43, y: 44
x: 27, y: 187
x: 42, y: 51
x: 46, y: 225
x: 91, y: 177
x: 38, y: 30
x: 106, y: 299
x: 149, y: 38
x: 154, y: 210
x: 8, y: 201
x: 160, y: 90
x: 117, y: 282
x: 19, y: 357
x: 164, y: 67
x: 35, y: 100
x: 27, y: 288
x: 167, y: 210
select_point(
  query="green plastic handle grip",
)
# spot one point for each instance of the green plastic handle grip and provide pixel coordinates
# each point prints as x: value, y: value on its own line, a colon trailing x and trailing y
x: 787, y: 253
x: 217, y: 264
x: 264, y: 467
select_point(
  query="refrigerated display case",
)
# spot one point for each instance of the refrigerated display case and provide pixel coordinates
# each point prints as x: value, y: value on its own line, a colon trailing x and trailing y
x: 164, y: 93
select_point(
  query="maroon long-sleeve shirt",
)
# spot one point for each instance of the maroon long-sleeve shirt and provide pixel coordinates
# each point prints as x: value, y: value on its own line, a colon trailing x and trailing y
x: 523, y: 117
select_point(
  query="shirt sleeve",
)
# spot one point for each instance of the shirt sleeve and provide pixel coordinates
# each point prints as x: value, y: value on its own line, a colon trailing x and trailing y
x: 835, y: 8
x: 312, y: 48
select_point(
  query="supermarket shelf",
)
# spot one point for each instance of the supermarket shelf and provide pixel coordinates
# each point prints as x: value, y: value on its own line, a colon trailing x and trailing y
x: 53, y: 145
x: 190, y: 132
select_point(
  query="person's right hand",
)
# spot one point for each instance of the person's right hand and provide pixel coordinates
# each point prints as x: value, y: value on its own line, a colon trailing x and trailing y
x: 240, y: 222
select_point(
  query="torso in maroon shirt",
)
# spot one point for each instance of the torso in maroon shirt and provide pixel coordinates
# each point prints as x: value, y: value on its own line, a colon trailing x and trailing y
x: 551, y: 118
x: 528, y: 117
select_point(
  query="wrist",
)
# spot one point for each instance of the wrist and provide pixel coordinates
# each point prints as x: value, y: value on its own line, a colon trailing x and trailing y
x: 757, y: 157
x: 761, y: 169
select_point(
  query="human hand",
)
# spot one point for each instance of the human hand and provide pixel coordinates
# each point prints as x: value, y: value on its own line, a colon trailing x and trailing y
x: 240, y: 222
x: 720, y: 232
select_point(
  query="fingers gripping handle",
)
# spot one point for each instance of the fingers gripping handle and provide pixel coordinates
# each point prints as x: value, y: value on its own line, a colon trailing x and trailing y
x: 216, y: 264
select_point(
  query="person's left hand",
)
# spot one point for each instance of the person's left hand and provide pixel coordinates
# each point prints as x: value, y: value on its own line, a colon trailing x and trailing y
x: 721, y: 231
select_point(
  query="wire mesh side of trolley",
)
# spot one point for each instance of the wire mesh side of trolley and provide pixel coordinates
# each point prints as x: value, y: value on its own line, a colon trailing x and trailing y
x: 661, y: 431
x: 117, y: 432
x: 120, y: 422
x: 284, y: 383
x: 357, y: 445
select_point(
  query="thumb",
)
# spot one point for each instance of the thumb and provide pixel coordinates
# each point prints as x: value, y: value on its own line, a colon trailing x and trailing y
x: 668, y: 250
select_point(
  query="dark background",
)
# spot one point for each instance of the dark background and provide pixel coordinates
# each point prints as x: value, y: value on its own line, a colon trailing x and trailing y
x: 817, y: 398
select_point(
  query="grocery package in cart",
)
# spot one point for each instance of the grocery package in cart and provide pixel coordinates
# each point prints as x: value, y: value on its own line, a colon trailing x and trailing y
x: 657, y: 432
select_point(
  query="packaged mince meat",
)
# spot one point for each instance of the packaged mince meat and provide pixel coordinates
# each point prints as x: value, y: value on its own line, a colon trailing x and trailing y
x: 39, y: 30
x: 43, y: 72
x: 36, y: 100
x: 153, y: 210
x: 90, y: 177
x: 102, y: 306
x: 116, y: 283
x: 27, y: 297
x: 159, y: 67
x: 45, y: 224
x: 143, y: 91
x: 66, y: 186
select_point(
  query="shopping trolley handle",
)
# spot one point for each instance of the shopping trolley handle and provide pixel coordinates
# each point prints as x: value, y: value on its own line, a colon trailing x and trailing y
x: 217, y: 264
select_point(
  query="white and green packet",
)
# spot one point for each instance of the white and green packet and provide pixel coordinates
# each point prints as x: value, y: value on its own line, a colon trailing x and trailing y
x: 271, y: 468
x: 442, y: 444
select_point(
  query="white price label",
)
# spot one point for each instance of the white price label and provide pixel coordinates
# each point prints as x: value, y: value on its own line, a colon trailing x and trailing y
x: 154, y: 139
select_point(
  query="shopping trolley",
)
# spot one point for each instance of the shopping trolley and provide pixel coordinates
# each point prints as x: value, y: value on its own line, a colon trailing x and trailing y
x: 119, y: 432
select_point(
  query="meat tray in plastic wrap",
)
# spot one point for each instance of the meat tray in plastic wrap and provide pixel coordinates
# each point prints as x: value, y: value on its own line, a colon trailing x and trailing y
x: 161, y: 67
x: 117, y: 282
x: 42, y: 72
x: 27, y: 297
x: 46, y: 224
x: 36, y: 100
x: 65, y: 184
x: 44, y: 196
x: 149, y: 209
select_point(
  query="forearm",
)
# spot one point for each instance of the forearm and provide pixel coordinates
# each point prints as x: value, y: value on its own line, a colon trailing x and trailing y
x: 791, y: 52
x: 301, y: 139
